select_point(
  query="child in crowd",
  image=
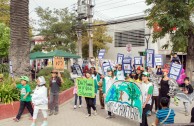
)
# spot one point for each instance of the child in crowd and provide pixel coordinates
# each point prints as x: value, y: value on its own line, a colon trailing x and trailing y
x: 40, y: 101
x: 147, y: 91
x: 188, y: 90
x: 165, y: 115
x: 90, y: 101
x: 107, y: 82
x: 128, y: 78
x: 76, y: 96
x: 55, y: 84
x: 25, y: 97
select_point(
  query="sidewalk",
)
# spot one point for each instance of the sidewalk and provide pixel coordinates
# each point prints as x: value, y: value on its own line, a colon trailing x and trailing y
x: 69, y: 117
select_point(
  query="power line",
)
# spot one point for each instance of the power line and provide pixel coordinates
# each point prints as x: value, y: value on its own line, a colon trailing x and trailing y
x: 118, y: 22
x: 122, y: 6
x: 104, y: 2
x: 110, y: 3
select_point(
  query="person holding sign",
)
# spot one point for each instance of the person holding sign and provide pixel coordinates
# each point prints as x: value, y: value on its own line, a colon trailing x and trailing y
x: 107, y: 82
x: 119, y: 73
x: 147, y: 91
x: 138, y: 74
x: 55, y: 84
x: 90, y: 101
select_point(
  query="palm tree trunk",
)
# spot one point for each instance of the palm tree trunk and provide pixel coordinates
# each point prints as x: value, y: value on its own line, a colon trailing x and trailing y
x: 190, y: 57
x: 20, y: 45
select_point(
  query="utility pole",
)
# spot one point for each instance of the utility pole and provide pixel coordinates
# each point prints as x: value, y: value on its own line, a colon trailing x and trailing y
x: 78, y: 30
x: 90, y: 23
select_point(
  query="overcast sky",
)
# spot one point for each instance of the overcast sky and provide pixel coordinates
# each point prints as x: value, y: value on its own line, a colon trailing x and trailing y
x: 104, y: 9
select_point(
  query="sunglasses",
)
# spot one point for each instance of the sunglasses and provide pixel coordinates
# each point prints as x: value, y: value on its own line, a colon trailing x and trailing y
x: 54, y: 72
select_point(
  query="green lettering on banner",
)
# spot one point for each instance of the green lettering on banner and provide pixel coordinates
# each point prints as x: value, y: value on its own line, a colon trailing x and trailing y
x: 86, y: 87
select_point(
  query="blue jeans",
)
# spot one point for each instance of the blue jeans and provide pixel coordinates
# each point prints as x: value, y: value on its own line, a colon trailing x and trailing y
x: 80, y: 99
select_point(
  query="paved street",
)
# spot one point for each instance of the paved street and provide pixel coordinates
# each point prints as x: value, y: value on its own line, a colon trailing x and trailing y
x: 70, y: 117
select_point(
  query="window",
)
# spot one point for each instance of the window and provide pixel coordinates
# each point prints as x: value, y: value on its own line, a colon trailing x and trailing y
x: 135, y: 37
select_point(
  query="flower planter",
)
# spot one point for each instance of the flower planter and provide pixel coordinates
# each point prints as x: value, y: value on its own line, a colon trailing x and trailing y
x: 11, y: 110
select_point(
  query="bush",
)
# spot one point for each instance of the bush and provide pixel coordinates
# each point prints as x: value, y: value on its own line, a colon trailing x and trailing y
x: 8, y: 93
x: 4, y: 68
x: 45, y: 71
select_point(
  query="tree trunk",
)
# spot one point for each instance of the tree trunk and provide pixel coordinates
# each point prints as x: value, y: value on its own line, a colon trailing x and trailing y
x: 190, y: 57
x: 20, y: 45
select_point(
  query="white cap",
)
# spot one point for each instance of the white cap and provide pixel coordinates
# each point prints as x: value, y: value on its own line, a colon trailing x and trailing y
x: 42, y: 80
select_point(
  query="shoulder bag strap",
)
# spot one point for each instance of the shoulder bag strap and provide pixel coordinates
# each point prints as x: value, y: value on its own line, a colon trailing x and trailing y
x: 166, y: 117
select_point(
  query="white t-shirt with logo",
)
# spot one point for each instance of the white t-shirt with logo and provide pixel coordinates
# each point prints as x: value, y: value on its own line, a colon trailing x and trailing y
x: 147, y: 89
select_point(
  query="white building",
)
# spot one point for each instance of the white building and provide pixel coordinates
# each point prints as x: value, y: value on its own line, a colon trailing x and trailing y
x: 132, y: 30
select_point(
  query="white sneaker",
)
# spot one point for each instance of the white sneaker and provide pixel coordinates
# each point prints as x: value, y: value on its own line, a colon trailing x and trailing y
x: 33, y: 124
x: 45, y: 123
x: 95, y: 113
x: 75, y: 106
x: 88, y: 115
x: 108, y: 117
x: 80, y: 106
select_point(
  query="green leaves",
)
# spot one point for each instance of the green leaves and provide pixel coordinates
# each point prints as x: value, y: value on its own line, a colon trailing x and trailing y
x: 100, y: 39
x: 169, y: 14
x: 58, y: 28
x: 4, y: 40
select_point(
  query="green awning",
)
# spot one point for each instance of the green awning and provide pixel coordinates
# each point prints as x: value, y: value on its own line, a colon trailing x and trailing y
x: 36, y: 54
x: 58, y: 53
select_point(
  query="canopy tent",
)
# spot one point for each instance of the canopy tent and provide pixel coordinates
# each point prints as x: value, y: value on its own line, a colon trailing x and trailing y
x: 35, y: 55
x: 56, y: 53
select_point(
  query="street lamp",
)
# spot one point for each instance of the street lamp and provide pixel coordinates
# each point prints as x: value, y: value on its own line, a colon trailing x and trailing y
x: 147, y: 38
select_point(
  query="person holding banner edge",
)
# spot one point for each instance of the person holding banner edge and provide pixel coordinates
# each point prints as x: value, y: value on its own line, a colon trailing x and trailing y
x: 147, y: 91
x: 107, y: 82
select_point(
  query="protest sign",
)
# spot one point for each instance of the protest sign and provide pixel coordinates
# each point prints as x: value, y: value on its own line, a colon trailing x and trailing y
x: 158, y: 60
x: 137, y: 62
x: 59, y: 64
x: 175, y: 71
x: 105, y: 66
x: 120, y: 58
x: 150, y: 58
x: 78, y: 69
x: 125, y: 99
x: 101, y: 54
x: 127, y: 65
x: 86, y: 87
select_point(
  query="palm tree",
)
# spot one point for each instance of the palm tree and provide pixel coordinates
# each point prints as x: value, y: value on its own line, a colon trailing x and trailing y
x: 20, y: 45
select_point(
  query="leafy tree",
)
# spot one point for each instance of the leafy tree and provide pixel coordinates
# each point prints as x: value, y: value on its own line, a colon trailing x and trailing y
x: 174, y: 13
x: 5, y: 11
x: 100, y: 39
x: 58, y: 28
x: 37, y: 48
x: 4, y: 40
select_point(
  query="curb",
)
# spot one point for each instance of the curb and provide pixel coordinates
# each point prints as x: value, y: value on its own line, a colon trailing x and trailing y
x: 11, y: 110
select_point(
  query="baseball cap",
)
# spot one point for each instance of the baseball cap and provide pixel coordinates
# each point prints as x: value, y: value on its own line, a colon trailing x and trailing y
x: 146, y: 74
x: 24, y: 78
x: 109, y: 69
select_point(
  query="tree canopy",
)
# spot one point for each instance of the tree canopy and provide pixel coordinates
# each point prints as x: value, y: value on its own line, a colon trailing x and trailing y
x: 4, y: 40
x: 58, y: 28
x: 5, y: 11
x: 100, y: 39
x: 169, y: 14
